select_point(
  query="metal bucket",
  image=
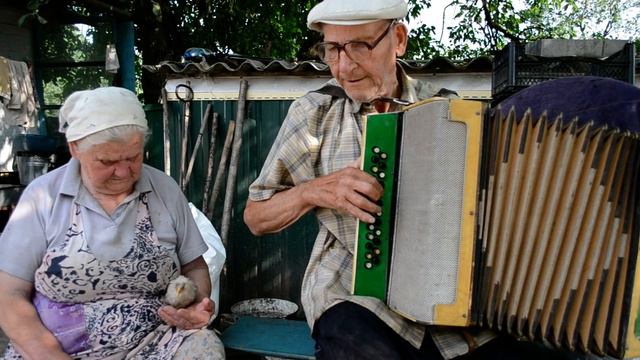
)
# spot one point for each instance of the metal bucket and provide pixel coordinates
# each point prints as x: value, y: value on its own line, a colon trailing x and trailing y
x: 30, y: 167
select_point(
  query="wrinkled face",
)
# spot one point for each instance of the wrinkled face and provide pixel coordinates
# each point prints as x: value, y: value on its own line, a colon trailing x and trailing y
x: 376, y: 76
x: 111, y: 168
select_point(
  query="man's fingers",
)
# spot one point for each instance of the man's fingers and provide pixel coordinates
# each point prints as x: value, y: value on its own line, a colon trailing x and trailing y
x: 363, y: 203
x: 358, y: 213
x: 364, y: 183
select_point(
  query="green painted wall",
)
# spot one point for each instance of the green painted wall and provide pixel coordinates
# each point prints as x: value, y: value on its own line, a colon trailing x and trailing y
x: 268, y: 266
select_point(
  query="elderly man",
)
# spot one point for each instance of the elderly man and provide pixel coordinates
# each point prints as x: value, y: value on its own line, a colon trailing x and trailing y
x: 311, y: 166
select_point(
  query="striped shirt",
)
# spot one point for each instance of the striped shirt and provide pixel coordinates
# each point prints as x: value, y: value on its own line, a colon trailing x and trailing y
x: 320, y: 135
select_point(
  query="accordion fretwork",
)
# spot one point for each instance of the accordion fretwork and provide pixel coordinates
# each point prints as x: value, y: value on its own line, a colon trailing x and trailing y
x: 518, y: 224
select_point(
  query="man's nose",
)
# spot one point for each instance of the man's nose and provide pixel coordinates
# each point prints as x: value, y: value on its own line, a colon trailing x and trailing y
x: 344, y: 61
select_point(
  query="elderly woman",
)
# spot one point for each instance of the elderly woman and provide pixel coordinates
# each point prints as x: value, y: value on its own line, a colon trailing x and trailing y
x: 90, y: 249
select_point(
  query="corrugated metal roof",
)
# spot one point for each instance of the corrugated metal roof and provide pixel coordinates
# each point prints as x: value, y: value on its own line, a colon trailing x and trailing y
x: 249, y: 66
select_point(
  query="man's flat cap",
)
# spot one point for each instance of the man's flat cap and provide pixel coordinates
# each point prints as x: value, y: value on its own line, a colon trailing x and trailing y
x: 355, y: 12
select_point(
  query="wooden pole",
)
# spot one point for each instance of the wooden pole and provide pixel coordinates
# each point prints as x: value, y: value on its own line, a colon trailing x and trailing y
x: 165, y: 133
x: 222, y: 168
x: 233, y: 163
x: 185, y: 96
x: 212, y: 155
x: 185, y: 138
x: 196, y: 147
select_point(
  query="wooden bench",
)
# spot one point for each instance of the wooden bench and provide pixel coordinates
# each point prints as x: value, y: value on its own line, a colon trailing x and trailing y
x: 290, y: 339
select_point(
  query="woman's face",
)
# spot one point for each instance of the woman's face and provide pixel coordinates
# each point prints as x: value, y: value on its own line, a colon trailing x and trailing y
x: 111, y: 168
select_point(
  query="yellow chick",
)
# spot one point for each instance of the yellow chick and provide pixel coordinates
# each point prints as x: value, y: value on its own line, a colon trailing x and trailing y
x: 181, y: 292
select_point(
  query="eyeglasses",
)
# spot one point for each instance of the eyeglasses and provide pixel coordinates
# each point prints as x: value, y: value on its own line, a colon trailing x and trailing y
x: 358, y: 51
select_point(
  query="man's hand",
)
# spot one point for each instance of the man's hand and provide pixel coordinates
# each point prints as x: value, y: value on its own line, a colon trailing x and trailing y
x: 350, y: 190
x: 195, y: 316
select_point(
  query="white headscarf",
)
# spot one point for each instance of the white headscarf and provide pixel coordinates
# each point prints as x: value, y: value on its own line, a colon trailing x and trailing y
x: 90, y: 111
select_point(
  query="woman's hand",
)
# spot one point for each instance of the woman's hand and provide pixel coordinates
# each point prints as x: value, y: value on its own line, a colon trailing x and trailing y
x: 195, y: 316
x: 49, y: 354
x: 22, y: 324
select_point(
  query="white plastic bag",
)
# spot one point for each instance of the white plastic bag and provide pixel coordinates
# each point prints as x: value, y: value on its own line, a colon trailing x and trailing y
x: 215, y: 255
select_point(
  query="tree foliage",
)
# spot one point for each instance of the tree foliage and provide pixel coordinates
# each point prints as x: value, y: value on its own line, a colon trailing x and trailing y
x: 67, y: 44
x: 277, y: 29
x: 256, y: 28
x: 484, y: 26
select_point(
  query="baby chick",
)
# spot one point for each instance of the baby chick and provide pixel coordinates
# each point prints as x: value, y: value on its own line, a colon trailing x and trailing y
x: 181, y: 292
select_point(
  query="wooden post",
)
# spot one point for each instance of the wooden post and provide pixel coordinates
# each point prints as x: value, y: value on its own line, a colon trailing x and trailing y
x: 212, y: 155
x: 222, y: 168
x: 186, y: 119
x: 196, y: 147
x: 165, y: 133
x: 233, y: 163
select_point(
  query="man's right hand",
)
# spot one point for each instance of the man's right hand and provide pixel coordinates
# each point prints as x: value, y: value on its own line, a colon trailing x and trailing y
x: 349, y: 190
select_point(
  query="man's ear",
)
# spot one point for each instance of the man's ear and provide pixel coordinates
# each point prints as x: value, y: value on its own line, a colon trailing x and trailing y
x: 401, y: 33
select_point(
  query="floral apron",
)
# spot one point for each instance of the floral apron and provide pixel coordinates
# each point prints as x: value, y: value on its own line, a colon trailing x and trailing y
x: 107, y: 309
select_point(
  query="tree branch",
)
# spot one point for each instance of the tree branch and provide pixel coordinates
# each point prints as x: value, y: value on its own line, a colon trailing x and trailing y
x: 496, y: 26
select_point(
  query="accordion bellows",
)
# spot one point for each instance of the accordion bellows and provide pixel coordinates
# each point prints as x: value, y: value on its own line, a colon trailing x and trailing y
x: 522, y: 221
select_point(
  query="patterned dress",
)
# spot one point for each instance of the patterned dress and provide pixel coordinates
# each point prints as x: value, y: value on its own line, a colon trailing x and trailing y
x: 108, y: 309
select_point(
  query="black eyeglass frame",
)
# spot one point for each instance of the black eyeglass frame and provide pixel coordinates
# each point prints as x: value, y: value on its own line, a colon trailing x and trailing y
x: 343, y: 47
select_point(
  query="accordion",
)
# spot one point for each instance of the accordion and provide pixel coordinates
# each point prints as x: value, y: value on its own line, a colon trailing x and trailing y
x: 510, y: 219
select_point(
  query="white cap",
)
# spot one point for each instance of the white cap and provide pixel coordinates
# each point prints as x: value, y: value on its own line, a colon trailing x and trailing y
x: 90, y: 111
x: 355, y: 12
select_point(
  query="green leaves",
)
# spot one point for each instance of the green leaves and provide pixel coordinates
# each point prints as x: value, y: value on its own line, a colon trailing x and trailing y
x: 483, y: 26
x: 277, y: 29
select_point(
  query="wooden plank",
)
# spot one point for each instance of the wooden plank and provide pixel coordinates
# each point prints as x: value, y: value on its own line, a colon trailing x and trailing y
x: 272, y: 337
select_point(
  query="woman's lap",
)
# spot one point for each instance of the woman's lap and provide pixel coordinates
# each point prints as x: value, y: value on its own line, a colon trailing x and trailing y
x: 203, y: 344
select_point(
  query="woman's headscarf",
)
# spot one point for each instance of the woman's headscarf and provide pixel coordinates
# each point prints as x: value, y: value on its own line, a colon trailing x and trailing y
x: 90, y: 111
